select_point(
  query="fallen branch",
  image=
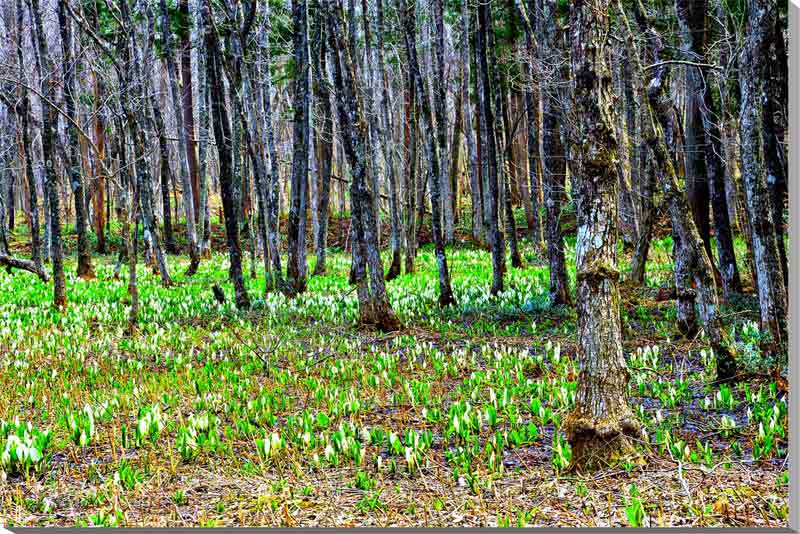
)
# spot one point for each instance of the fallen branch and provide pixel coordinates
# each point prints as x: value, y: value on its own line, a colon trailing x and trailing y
x: 11, y: 262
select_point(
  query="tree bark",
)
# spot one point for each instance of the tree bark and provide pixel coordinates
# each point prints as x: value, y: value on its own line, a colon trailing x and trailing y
x: 410, y: 137
x: 440, y: 114
x: 72, y: 149
x: 23, y: 113
x: 183, y: 148
x: 469, y: 136
x: 690, y: 253
x: 49, y: 140
x: 324, y: 131
x: 553, y: 162
x: 187, y: 104
x: 374, y: 307
x: 223, y: 136
x: 394, y: 208
x: 491, y: 192
x: 599, y: 425
x: 296, y: 257
x: 772, y: 296
x: 432, y: 156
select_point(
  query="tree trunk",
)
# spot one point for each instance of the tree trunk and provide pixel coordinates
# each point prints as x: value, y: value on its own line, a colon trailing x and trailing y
x: 387, y: 142
x: 203, y: 232
x: 223, y: 136
x: 598, y: 426
x: 440, y: 114
x: 72, y: 149
x: 410, y: 137
x: 772, y: 296
x: 183, y: 148
x: 532, y: 84
x: 469, y: 135
x: 49, y: 140
x: 273, y: 196
x: 432, y: 156
x: 553, y: 163
x: 374, y: 307
x: 23, y: 113
x: 690, y: 253
x: 503, y: 143
x: 187, y: 104
x: 491, y: 192
x: 324, y: 135
x: 296, y: 257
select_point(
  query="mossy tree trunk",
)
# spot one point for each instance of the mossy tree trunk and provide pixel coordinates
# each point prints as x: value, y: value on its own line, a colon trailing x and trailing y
x: 599, y: 425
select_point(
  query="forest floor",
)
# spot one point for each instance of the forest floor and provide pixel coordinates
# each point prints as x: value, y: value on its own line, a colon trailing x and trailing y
x: 287, y: 415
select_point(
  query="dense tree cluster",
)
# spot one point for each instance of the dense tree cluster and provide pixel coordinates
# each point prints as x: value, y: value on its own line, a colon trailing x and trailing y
x: 128, y: 118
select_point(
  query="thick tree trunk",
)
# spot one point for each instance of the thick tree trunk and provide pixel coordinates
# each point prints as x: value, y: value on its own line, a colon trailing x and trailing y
x: 432, y: 156
x: 772, y: 296
x: 598, y: 426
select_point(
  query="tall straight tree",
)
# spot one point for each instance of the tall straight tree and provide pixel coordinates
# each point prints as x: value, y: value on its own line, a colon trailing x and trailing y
x: 373, y: 302
x: 49, y: 145
x: 187, y: 104
x: 410, y: 137
x: 273, y: 181
x: 489, y: 152
x: 324, y: 135
x: 440, y: 114
x: 532, y: 120
x: 704, y: 164
x: 469, y: 135
x: 23, y: 115
x: 183, y: 148
x: 431, y: 154
x: 691, y: 16
x: 72, y: 149
x: 503, y: 141
x: 222, y: 133
x: 601, y: 422
x: 772, y: 295
x: 394, y: 207
x: 553, y: 160
x: 296, y: 255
